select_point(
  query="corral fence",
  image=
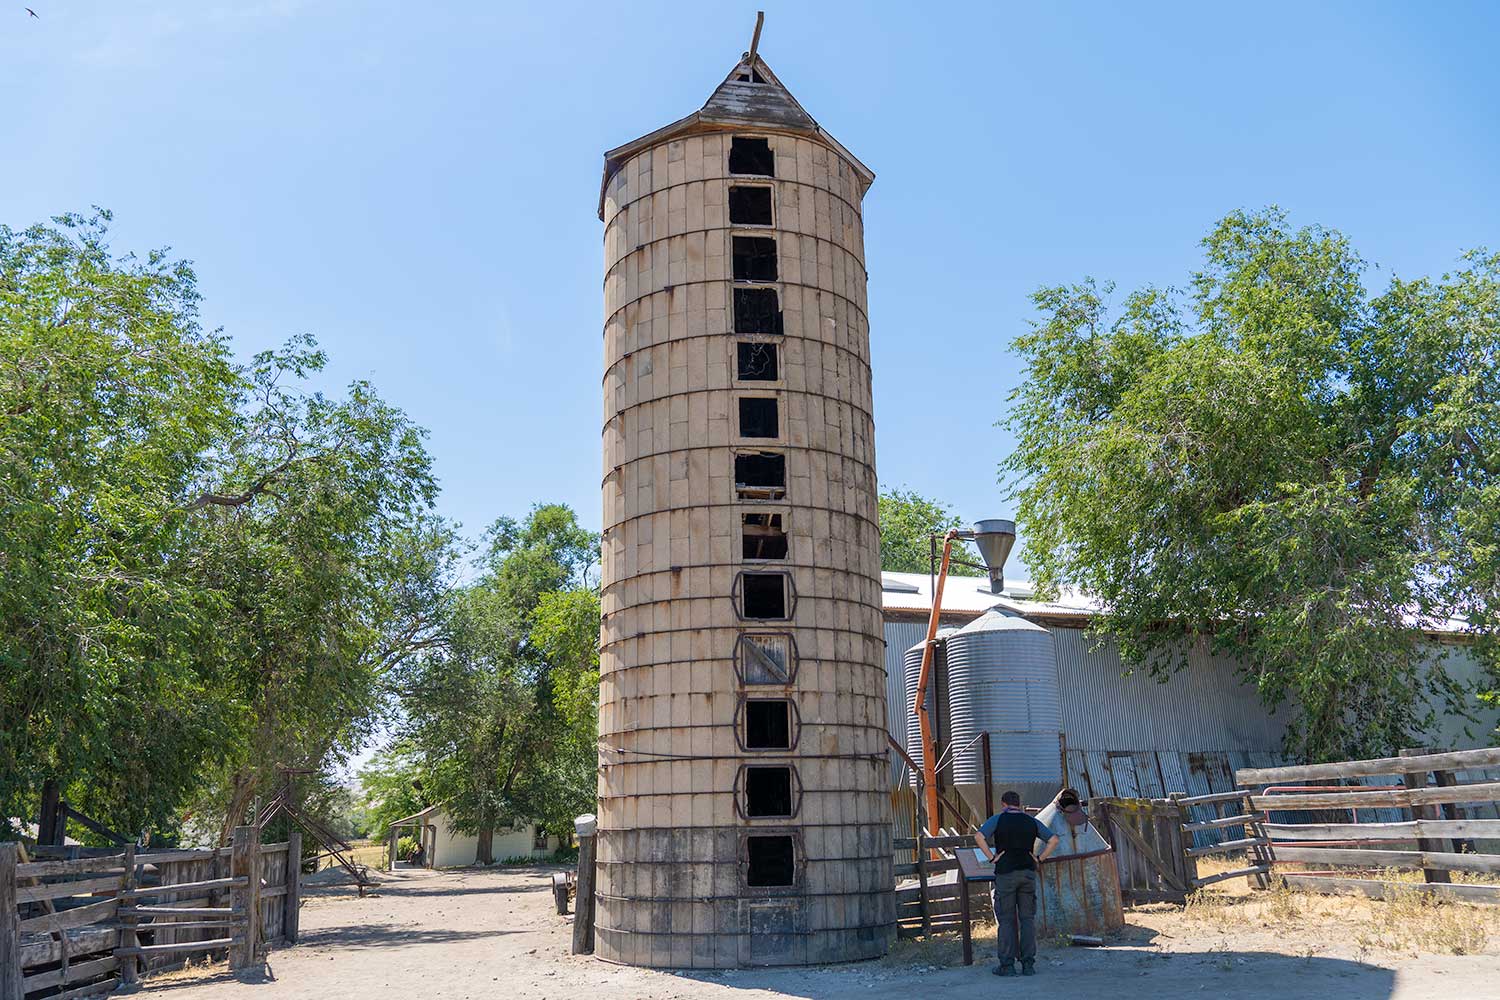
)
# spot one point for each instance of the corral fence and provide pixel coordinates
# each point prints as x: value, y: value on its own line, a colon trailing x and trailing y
x: 78, y: 922
x: 1413, y: 812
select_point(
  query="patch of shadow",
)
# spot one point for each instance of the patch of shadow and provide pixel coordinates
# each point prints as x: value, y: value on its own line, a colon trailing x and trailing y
x: 1092, y: 972
x: 384, y: 935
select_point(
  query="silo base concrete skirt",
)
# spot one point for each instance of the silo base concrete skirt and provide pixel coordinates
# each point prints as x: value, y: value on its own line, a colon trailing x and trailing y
x: 1079, y: 895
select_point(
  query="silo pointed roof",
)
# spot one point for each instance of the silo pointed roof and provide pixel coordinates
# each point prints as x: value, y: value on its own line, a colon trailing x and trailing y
x: 750, y: 97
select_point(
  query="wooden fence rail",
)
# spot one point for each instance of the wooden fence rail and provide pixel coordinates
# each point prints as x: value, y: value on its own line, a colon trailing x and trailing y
x: 88, y: 924
x: 1443, y: 838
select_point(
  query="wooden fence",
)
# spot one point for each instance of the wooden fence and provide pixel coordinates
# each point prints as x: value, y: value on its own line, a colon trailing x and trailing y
x: 79, y: 922
x: 931, y: 906
x: 1425, y: 787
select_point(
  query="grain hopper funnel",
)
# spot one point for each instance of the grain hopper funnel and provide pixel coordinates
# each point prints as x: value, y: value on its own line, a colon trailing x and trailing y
x: 994, y: 538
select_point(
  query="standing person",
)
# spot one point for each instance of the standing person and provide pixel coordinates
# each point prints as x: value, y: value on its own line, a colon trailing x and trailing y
x: 1008, y: 839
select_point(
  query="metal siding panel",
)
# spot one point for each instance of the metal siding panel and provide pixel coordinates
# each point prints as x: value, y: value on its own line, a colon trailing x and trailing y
x: 1171, y: 772
x: 1204, y: 707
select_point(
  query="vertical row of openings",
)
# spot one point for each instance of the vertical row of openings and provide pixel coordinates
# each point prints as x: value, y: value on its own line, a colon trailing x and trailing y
x: 749, y: 205
x: 757, y: 361
x: 772, y: 861
x: 757, y: 310
x: 768, y: 724
x: 768, y: 792
x: 771, y: 858
x: 762, y: 536
x: 754, y: 258
x: 751, y: 157
x: 759, y: 475
x: 759, y: 417
x: 765, y: 596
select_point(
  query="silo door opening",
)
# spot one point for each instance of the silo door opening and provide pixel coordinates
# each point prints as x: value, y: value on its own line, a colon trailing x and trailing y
x: 756, y: 310
x: 762, y: 537
x: 750, y: 206
x: 754, y: 258
x: 759, y: 417
x: 768, y: 725
x: 772, y: 861
x: 768, y: 791
x: 759, y: 475
x: 763, y: 595
x: 751, y: 156
x: 764, y: 658
x: 755, y: 361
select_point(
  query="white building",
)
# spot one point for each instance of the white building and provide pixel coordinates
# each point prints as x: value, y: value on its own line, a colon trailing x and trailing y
x: 447, y: 848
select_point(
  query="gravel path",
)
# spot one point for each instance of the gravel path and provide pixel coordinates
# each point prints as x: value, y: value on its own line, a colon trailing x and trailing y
x: 493, y: 933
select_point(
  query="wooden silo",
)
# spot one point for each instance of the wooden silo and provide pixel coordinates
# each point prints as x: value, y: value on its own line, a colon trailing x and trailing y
x: 744, y: 807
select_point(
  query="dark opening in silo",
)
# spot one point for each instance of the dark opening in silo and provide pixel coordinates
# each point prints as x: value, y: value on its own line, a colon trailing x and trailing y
x: 754, y: 258
x: 768, y: 791
x: 756, y: 310
x: 772, y: 861
x: 749, y: 206
x: 756, y: 362
x: 759, y: 475
x: 751, y: 156
x: 762, y: 537
x: 768, y: 725
x: 759, y: 417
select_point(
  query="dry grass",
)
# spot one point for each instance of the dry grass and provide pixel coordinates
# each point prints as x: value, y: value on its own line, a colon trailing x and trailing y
x: 371, y: 854
x: 1408, y: 921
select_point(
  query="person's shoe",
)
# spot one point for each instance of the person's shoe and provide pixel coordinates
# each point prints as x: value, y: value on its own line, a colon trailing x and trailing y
x: 1005, y: 969
x: 1028, y: 968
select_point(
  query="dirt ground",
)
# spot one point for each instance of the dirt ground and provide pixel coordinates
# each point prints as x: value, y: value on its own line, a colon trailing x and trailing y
x: 473, y: 933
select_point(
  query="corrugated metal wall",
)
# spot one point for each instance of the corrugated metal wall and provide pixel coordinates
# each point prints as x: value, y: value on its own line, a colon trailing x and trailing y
x: 1133, y: 736
x: 899, y: 637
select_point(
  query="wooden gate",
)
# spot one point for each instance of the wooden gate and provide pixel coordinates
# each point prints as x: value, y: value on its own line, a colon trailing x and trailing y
x: 1149, y: 850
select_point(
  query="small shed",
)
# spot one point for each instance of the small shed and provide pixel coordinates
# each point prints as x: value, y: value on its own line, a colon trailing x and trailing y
x: 446, y: 847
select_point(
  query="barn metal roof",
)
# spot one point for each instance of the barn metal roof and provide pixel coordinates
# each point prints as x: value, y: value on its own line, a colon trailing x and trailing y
x: 750, y: 97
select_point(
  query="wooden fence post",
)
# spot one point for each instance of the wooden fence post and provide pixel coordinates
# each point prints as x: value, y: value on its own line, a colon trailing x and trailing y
x: 244, y: 862
x: 10, y: 928
x: 1425, y: 845
x: 583, y: 908
x: 129, y: 975
x: 293, y: 899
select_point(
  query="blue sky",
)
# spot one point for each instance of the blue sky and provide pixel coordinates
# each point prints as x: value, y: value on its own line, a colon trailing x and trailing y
x: 416, y: 184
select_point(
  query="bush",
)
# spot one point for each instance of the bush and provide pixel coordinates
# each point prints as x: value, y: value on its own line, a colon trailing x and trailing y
x: 405, y: 848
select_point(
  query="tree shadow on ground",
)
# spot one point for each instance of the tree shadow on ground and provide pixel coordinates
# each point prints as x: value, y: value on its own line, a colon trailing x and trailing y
x: 351, y: 936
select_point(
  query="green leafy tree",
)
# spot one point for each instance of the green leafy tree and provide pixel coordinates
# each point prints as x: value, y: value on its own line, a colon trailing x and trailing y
x: 501, y: 715
x: 112, y: 398
x: 1278, y: 464
x: 331, y: 569
x: 210, y: 570
x: 907, y: 522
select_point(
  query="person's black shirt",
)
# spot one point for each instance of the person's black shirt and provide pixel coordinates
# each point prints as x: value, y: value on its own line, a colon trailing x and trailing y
x: 1010, y: 835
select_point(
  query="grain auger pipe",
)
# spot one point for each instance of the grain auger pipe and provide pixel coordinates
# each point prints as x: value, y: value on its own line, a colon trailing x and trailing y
x: 994, y: 539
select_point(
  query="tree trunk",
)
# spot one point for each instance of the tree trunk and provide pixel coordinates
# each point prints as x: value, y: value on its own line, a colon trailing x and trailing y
x: 47, y: 825
x: 239, y: 803
x: 487, y: 843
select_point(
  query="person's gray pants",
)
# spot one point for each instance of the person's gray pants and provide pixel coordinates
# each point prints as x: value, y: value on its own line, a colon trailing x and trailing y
x: 1014, y: 897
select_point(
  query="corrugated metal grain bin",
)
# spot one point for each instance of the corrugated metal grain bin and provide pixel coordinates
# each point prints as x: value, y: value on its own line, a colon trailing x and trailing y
x: 1001, y: 675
